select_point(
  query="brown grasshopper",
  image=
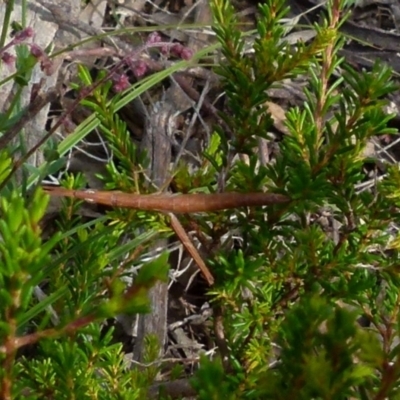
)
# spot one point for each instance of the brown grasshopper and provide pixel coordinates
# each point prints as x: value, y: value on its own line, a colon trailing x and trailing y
x: 182, y: 203
x: 174, y: 204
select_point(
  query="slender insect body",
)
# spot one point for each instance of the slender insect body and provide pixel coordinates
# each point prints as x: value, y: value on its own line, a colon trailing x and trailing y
x: 185, y: 203
x: 174, y: 204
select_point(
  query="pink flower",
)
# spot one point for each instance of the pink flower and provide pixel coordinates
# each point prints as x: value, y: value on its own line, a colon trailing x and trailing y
x: 8, y: 59
x: 176, y: 49
x: 165, y: 50
x: 120, y: 82
x: 139, y: 68
x: 154, y: 37
x: 37, y: 51
x: 186, y: 53
x: 21, y: 36
x: 46, y: 65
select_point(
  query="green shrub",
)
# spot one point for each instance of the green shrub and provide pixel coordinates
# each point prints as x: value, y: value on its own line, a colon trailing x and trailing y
x: 289, y: 289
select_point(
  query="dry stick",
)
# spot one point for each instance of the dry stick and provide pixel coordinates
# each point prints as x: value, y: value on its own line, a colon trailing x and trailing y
x: 156, y: 144
x: 183, y: 203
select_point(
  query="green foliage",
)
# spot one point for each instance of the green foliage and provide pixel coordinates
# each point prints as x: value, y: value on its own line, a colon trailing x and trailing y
x: 289, y: 291
x: 82, y: 269
x: 57, y: 289
x: 292, y: 295
x: 210, y: 377
x: 89, y: 369
x: 333, y: 355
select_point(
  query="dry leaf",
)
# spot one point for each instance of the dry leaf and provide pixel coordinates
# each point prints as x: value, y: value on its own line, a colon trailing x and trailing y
x: 278, y: 116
